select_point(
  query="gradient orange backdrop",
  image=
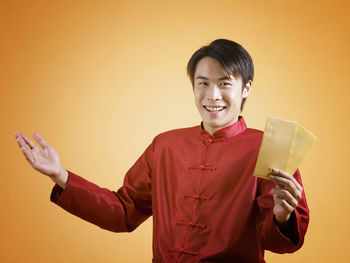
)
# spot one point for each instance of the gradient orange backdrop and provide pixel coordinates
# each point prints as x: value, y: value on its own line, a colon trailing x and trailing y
x: 99, y: 79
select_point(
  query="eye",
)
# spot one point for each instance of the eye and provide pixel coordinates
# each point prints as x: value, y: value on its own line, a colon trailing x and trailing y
x: 225, y: 84
x: 202, y: 83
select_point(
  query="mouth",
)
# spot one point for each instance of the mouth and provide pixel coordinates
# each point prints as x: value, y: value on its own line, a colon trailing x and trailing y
x: 214, y: 108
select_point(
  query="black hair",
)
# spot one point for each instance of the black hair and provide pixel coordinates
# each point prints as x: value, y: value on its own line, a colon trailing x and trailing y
x: 232, y: 56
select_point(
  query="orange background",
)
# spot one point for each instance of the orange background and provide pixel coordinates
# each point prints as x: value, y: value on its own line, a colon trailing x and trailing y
x: 99, y: 79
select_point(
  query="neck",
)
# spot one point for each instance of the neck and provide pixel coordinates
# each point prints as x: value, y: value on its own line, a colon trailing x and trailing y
x: 212, y: 129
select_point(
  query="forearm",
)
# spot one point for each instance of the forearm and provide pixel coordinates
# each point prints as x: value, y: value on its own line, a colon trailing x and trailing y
x: 114, y: 211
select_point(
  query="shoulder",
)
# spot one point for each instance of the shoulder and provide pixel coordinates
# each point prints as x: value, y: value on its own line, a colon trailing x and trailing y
x: 178, y: 134
x: 176, y: 137
x: 253, y: 134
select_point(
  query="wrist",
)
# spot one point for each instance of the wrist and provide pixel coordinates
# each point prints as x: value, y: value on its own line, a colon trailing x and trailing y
x: 62, y: 178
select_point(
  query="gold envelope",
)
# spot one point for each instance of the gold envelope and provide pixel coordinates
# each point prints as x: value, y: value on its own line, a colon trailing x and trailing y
x: 284, y: 145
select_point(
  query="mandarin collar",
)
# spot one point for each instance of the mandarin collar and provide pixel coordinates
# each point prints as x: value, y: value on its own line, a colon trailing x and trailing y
x: 226, y: 132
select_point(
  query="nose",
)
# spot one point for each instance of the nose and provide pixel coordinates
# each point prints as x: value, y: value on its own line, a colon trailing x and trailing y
x: 213, y: 93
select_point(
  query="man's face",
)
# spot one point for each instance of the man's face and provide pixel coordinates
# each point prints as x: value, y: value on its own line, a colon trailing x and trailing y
x: 218, y: 96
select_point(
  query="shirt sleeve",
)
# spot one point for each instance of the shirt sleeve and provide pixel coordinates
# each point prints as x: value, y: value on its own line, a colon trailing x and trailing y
x: 120, y: 211
x: 291, y: 237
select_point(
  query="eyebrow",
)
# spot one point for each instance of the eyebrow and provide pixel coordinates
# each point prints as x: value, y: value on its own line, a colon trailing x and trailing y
x: 222, y: 78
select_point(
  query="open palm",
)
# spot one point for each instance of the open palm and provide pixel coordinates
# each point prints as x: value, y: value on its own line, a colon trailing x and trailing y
x: 45, y: 159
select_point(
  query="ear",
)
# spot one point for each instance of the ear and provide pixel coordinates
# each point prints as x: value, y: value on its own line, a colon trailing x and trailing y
x: 247, y: 89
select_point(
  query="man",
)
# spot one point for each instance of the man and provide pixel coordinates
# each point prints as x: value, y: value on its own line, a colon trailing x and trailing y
x: 197, y: 182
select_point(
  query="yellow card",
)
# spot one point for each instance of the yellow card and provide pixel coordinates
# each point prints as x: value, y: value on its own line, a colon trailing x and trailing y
x: 284, y: 145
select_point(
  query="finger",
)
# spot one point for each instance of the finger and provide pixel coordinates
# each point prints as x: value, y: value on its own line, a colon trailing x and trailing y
x: 286, y: 184
x: 22, y: 144
x: 18, y: 140
x: 285, y: 195
x: 283, y: 174
x: 278, y: 185
x: 25, y: 149
x: 27, y: 152
x: 282, y: 182
x: 29, y: 142
x: 28, y: 155
x: 286, y: 175
x: 283, y: 203
x: 40, y: 140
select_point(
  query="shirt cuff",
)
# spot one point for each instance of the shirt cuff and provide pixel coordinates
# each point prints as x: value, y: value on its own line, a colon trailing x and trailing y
x: 58, y: 193
x: 290, y: 230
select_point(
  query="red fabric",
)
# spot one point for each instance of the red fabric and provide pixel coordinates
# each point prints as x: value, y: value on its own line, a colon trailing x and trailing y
x: 206, y: 204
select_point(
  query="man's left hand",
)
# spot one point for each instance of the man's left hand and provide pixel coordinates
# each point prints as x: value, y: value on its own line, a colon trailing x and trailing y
x: 286, y: 195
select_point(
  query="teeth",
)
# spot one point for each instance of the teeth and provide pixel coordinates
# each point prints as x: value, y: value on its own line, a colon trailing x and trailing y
x: 214, y: 108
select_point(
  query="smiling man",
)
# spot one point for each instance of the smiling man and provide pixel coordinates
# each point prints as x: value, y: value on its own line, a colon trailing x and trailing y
x: 218, y: 95
x: 197, y: 182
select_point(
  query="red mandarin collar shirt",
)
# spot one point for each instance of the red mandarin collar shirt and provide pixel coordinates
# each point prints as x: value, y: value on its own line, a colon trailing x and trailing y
x: 206, y: 204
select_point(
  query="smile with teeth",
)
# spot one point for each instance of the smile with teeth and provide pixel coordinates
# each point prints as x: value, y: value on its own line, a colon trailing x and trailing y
x: 214, y: 108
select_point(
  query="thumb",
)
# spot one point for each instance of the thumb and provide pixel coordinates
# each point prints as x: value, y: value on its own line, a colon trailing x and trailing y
x: 40, y: 140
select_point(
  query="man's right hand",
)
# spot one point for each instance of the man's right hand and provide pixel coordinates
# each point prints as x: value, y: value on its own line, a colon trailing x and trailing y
x: 44, y: 159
